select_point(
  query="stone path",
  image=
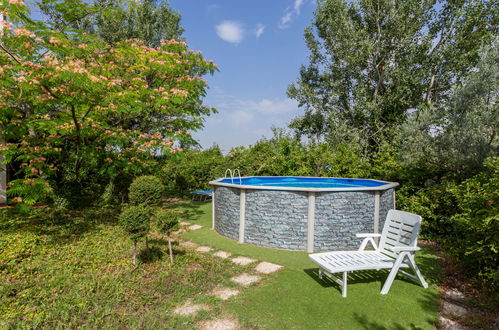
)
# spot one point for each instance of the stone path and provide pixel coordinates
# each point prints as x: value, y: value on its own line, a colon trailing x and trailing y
x: 222, y: 254
x: 220, y: 324
x: 223, y: 293
x: 188, y: 308
x: 452, y: 308
x: 246, y: 279
x: 204, y: 249
x: 267, y: 267
x: 243, y: 261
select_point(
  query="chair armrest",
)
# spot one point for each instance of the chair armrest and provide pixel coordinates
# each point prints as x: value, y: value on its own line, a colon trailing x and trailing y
x: 367, y: 235
x: 405, y: 248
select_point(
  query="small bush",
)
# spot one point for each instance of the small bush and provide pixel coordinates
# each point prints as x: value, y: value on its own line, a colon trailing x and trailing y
x: 135, y: 221
x: 146, y: 190
x: 166, y: 222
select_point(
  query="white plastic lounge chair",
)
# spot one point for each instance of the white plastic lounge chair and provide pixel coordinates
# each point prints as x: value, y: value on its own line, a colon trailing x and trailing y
x: 396, y: 250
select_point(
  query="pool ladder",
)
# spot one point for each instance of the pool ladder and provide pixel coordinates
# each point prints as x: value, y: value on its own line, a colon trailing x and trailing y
x: 232, y: 173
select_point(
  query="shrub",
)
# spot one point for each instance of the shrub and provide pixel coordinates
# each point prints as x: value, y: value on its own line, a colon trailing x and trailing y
x: 135, y: 221
x: 166, y: 222
x: 146, y: 190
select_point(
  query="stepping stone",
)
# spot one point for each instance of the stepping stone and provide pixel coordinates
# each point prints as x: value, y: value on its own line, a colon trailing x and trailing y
x: 204, y: 249
x: 195, y: 227
x: 222, y: 254
x: 184, y: 223
x: 267, y: 267
x: 188, y: 308
x: 189, y: 245
x: 245, y: 279
x: 224, y: 293
x: 447, y: 324
x: 220, y: 324
x: 452, y: 309
x: 243, y: 261
x: 180, y: 231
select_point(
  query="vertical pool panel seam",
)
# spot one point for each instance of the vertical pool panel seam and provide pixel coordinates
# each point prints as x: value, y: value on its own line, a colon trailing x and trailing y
x: 213, y: 207
x: 242, y: 214
x: 377, y: 204
x: 310, y: 221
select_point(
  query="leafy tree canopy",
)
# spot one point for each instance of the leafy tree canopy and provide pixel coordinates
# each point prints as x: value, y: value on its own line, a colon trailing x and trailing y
x: 71, y: 99
x: 372, y: 62
x: 117, y: 20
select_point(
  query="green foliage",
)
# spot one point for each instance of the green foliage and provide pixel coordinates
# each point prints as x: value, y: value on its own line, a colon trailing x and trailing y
x: 146, y: 190
x: 457, y: 137
x: 78, y: 113
x: 166, y: 221
x: 149, y: 20
x: 191, y: 170
x: 476, y: 240
x: 372, y: 61
x: 135, y: 220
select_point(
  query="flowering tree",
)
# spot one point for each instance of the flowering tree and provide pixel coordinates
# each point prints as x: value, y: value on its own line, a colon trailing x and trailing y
x: 72, y: 99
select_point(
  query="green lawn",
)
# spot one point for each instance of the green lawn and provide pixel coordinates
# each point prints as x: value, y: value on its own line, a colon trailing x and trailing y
x: 73, y: 269
x: 296, y: 298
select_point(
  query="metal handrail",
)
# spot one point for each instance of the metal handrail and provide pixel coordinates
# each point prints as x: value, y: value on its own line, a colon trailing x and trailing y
x: 231, y: 175
x: 237, y: 170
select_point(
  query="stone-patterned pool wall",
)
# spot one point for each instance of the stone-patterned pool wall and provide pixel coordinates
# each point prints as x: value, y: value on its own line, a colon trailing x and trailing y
x: 276, y: 219
x: 227, y: 211
x: 387, y: 202
x: 341, y: 215
x: 280, y: 219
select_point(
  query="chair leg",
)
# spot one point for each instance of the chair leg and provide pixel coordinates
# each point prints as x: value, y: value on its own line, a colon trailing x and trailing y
x: 320, y: 273
x: 393, y: 273
x: 415, y: 268
x: 344, y: 286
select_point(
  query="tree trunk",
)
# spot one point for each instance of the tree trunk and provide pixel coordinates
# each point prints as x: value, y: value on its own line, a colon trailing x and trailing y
x: 170, y: 248
x: 135, y: 253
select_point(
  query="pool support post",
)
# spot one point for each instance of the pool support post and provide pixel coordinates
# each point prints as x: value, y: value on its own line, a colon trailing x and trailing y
x: 242, y: 214
x: 213, y: 207
x: 310, y: 221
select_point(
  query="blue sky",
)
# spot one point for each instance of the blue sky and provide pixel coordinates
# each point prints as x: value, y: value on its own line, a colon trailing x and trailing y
x: 259, y: 48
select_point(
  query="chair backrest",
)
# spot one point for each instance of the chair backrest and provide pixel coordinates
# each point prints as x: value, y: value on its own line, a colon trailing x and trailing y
x: 400, y: 229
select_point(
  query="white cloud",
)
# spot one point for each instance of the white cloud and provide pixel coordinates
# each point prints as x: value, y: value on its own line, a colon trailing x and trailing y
x: 241, y: 117
x: 290, y: 13
x: 273, y: 107
x: 259, y: 30
x: 297, y: 4
x: 230, y: 31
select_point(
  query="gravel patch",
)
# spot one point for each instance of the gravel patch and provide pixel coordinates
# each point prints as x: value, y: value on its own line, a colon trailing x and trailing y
x: 204, y: 249
x: 243, y: 261
x: 222, y: 254
x: 220, y: 324
x: 224, y: 293
x: 195, y: 227
x: 188, y: 308
x: 245, y: 279
x: 267, y: 267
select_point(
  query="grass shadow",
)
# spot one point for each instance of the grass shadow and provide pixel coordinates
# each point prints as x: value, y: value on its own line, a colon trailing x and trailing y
x: 151, y: 254
x: 189, y: 209
x: 59, y: 226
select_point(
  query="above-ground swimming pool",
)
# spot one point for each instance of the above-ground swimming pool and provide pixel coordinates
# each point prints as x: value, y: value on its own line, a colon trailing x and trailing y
x: 300, y: 213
